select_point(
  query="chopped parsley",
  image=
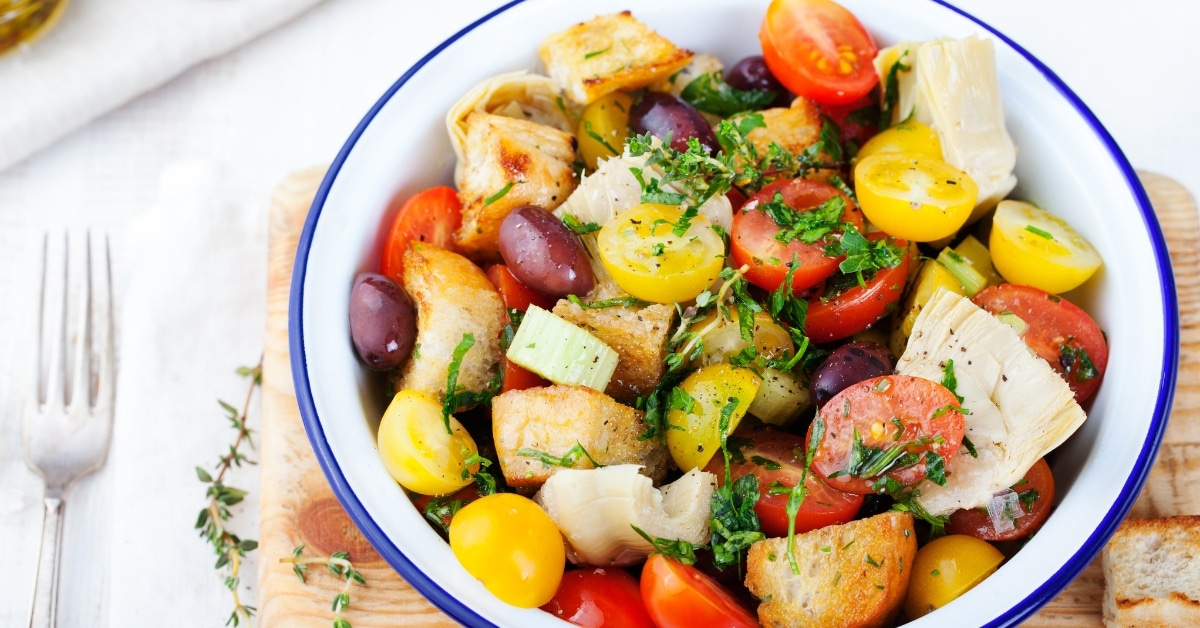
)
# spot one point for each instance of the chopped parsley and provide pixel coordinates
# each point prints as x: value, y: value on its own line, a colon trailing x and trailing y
x: 678, y: 549
x: 457, y: 397
x: 1077, y: 364
x: 483, y: 479
x: 596, y: 53
x: 499, y: 195
x: 567, y: 460
x: 1028, y: 498
x: 734, y: 524
x: 891, y: 91
x: 950, y: 381
x: 577, y: 227
x: 1039, y: 232
x: 710, y: 93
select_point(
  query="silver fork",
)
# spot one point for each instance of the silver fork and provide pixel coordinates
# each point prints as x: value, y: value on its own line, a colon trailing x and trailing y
x: 68, y: 414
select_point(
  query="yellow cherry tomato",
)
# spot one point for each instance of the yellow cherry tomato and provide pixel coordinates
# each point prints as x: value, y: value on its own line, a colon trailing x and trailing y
x: 418, y: 451
x: 946, y: 568
x: 644, y: 255
x: 722, y: 338
x: 512, y: 546
x: 912, y: 138
x: 1032, y: 247
x: 603, y: 128
x: 695, y: 430
x: 915, y: 197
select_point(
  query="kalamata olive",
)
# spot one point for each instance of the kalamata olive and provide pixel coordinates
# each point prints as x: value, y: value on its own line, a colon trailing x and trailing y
x: 660, y: 114
x: 751, y: 74
x: 542, y: 253
x: 383, y: 323
x: 847, y: 365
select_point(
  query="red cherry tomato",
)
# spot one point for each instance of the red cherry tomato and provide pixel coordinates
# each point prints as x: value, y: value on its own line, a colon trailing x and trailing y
x: 856, y: 308
x: 595, y: 597
x: 753, y: 240
x: 858, y: 120
x: 681, y: 596
x: 518, y: 296
x: 778, y: 457
x: 432, y: 215
x: 819, y: 50
x: 1058, y: 331
x: 889, y: 414
x: 1035, y: 494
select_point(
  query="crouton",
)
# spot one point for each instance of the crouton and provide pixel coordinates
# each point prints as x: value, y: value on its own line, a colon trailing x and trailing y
x: 508, y: 163
x: 794, y: 129
x: 638, y: 335
x: 609, y: 53
x: 453, y: 297
x: 851, y: 575
x: 1151, y: 576
x: 555, y: 419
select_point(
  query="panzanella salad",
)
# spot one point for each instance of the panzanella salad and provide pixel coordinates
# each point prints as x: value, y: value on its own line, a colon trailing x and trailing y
x: 694, y: 341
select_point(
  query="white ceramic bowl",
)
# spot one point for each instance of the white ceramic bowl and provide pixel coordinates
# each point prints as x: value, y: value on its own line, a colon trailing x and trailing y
x: 1066, y: 162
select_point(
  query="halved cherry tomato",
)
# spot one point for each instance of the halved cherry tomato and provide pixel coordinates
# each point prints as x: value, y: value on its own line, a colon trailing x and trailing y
x: 681, y: 596
x: 518, y: 296
x: 776, y: 457
x: 595, y: 597
x: 753, y: 242
x: 1035, y: 494
x: 946, y: 568
x: 856, y: 308
x: 432, y: 215
x: 819, y: 50
x: 1033, y: 247
x: 640, y: 249
x: 879, y: 418
x: 912, y: 196
x: 1057, y: 330
x: 417, y: 450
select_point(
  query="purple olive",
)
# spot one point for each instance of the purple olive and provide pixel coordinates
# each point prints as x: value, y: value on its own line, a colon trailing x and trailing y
x: 542, y: 253
x: 751, y: 74
x: 847, y: 365
x: 383, y: 323
x: 661, y: 114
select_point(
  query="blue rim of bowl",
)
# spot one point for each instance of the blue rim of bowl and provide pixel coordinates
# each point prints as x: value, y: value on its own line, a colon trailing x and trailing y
x: 463, y: 613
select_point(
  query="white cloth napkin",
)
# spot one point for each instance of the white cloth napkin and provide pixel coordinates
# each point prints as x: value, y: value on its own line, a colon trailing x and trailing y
x: 104, y: 52
x: 193, y: 311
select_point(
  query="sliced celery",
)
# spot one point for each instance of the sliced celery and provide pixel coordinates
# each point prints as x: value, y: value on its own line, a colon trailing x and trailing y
x: 560, y: 351
x: 971, y: 280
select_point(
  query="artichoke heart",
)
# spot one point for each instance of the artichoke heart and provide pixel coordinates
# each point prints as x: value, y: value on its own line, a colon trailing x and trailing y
x: 520, y: 95
x: 1019, y: 407
x: 597, y: 510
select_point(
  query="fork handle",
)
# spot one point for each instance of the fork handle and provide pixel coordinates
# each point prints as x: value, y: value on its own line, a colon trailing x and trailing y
x: 45, y: 595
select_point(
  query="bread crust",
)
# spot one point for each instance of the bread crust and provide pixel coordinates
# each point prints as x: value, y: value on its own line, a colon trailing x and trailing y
x: 609, y: 53
x: 853, y: 575
x: 1152, y: 573
x: 509, y: 162
x: 453, y: 297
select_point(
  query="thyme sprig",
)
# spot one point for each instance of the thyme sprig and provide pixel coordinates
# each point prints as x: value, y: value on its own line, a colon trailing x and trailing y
x: 229, y: 548
x: 340, y: 566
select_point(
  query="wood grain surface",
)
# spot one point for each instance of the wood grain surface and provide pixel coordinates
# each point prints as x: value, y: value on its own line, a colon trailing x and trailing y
x: 298, y: 507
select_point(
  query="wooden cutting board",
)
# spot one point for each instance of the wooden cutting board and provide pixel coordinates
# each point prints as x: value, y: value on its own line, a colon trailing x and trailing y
x: 298, y: 506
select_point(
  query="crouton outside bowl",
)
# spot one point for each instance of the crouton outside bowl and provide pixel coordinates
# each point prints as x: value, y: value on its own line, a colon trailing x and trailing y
x: 1066, y: 162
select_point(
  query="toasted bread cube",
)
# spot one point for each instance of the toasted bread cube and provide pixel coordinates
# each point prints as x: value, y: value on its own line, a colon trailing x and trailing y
x: 794, y: 128
x: 453, y: 297
x: 609, y: 53
x: 554, y: 419
x: 508, y: 163
x: 1151, y: 576
x: 851, y: 575
x: 638, y: 335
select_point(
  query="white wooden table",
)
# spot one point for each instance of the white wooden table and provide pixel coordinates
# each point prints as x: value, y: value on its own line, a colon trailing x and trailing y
x: 285, y: 102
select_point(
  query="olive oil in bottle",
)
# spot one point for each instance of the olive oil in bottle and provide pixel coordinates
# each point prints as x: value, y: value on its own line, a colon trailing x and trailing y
x: 22, y: 21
